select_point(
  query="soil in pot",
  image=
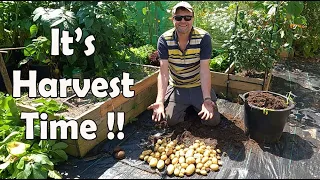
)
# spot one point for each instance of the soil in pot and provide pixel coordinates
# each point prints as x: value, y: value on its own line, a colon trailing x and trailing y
x: 266, y: 114
x: 266, y: 100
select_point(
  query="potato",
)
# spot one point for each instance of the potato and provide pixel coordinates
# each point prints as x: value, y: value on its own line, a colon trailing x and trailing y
x: 182, y: 170
x: 182, y: 160
x: 198, y: 170
x: 206, y: 153
x: 184, y: 165
x: 190, y: 169
x: 146, y: 158
x: 196, y: 145
x: 209, y: 147
x: 153, y: 162
x: 190, y: 160
x: 152, y: 154
x: 161, y: 149
x: 182, y: 145
x: 203, y: 172
x: 203, y: 147
x: 156, y: 148
x: 214, y: 167
x: 164, y: 157
x: 159, y: 141
x: 197, y: 155
x: 177, y: 153
x: 202, y: 143
x: 171, y: 144
x: 176, y: 171
x: 163, y: 153
x: 199, y: 166
x: 200, y: 150
x: 170, y: 169
x: 178, y: 147
x: 218, y: 157
x: 175, y: 160
x: 168, y: 151
x: 214, y: 152
x: 120, y: 154
x: 149, y: 159
x: 146, y: 152
x: 198, y: 160
x: 214, y: 160
x: 182, y: 153
x: 181, y: 174
x: 175, y: 142
x: 189, y: 153
x: 208, y: 163
x: 167, y: 161
x: 160, y: 164
x: 218, y: 151
x: 157, y: 155
x: 191, y: 147
x: 204, y: 159
x: 219, y: 163
x: 141, y: 157
x: 172, y: 156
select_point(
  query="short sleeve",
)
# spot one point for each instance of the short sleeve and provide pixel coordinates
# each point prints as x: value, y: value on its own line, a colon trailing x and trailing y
x: 205, y: 47
x: 162, y: 48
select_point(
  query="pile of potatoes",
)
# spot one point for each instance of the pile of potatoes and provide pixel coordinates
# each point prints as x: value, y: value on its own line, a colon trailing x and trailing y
x: 181, y: 160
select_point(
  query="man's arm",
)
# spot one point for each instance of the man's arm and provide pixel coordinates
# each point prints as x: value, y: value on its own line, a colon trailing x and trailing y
x: 205, y: 77
x: 162, y: 80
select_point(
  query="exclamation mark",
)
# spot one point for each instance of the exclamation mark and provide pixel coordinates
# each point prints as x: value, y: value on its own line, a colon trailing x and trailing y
x: 120, y: 123
x: 110, y: 125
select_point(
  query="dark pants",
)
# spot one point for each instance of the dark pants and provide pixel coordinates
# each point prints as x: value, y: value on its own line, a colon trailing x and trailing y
x: 177, y: 100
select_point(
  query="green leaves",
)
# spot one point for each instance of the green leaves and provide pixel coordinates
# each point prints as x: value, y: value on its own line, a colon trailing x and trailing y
x: 294, y: 7
x: 49, y: 106
x: 33, y: 31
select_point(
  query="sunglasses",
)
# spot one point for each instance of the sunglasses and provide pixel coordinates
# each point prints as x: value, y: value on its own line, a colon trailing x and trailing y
x: 179, y: 18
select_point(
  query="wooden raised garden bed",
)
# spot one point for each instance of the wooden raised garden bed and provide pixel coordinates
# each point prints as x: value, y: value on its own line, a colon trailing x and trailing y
x: 145, y: 94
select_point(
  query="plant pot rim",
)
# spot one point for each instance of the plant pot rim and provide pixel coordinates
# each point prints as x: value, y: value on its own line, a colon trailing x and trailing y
x: 291, y: 103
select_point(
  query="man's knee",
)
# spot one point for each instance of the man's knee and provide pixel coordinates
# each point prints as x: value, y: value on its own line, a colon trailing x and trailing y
x: 174, y: 114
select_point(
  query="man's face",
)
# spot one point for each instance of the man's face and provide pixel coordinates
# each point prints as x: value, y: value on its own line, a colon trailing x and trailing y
x: 183, y: 26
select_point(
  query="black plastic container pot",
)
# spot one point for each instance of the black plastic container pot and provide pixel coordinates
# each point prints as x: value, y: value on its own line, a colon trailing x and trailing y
x: 265, y: 126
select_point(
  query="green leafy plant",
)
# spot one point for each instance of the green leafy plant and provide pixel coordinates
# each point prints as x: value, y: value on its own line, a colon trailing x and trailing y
x: 49, y: 106
x: 251, y: 46
x: 142, y: 53
x: 220, y: 63
x: 21, y: 158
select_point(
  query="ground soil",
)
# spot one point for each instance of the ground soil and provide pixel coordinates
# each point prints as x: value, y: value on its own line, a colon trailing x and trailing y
x: 266, y: 100
x: 230, y: 133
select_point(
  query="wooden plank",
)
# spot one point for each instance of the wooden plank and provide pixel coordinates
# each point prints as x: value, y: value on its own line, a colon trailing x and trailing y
x: 5, y: 75
x: 9, y: 49
x: 86, y: 145
x: 220, y: 79
x: 111, y: 104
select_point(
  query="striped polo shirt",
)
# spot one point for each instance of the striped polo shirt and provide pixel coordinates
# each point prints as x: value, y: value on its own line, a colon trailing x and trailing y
x: 184, y: 67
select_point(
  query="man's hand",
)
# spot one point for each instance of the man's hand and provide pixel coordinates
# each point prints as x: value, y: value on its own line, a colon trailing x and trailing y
x: 207, y: 110
x: 158, y: 111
